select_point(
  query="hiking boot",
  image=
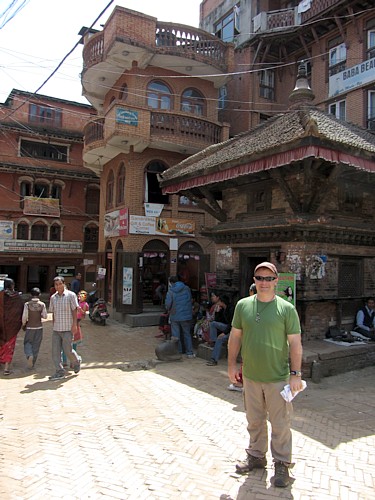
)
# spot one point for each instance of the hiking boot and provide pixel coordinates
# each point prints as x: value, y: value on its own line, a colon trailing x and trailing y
x: 57, y: 376
x: 282, y: 478
x: 250, y: 464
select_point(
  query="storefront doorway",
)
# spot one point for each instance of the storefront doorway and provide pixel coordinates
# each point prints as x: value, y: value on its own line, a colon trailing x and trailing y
x: 155, y: 270
x: 191, y: 265
x: 248, y: 262
x: 37, y: 277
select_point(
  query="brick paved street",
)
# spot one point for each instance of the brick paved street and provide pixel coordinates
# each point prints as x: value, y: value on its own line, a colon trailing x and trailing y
x: 173, y: 431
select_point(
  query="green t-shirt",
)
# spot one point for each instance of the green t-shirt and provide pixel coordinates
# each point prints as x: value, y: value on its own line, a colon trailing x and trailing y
x: 265, y: 348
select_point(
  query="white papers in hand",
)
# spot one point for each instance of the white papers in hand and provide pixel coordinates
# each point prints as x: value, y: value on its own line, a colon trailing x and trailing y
x: 287, y: 393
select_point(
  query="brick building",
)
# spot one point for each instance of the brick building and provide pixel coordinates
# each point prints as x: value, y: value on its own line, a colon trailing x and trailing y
x: 336, y: 38
x: 49, y: 201
x: 327, y: 239
x: 155, y: 87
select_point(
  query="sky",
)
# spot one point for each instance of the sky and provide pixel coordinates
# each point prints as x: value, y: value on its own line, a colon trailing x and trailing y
x: 36, y: 38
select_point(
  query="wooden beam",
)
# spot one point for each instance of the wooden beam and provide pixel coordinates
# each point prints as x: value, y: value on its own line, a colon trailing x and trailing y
x: 285, y: 188
x: 342, y: 31
x: 354, y: 20
x: 321, y: 192
x: 258, y: 49
x: 210, y: 205
x: 305, y: 47
x: 307, y: 183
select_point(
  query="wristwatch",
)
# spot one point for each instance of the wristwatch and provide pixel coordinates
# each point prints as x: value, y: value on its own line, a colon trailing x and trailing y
x: 296, y: 372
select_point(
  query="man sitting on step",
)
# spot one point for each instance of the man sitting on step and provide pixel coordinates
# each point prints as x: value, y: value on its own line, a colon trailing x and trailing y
x: 365, y: 319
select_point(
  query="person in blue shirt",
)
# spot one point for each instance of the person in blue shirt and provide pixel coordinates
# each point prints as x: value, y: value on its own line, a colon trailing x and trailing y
x: 178, y: 304
x: 75, y: 285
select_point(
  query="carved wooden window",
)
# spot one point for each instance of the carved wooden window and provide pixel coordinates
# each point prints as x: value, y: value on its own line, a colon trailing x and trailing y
x: 92, y: 200
x: 350, y: 278
x: 39, y: 232
x: 350, y: 198
x: 91, y: 238
x: 44, y: 151
x: 55, y: 233
x: 22, y: 231
x: 259, y: 199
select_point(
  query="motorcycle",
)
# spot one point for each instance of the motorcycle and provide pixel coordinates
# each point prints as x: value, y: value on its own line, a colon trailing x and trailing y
x: 97, y: 309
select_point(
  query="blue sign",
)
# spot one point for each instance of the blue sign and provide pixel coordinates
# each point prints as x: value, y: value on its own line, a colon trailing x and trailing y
x: 356, y: 76
x: 127, y: 116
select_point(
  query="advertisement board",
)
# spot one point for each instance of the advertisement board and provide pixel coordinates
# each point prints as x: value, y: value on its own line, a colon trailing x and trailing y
x: 286, y: 287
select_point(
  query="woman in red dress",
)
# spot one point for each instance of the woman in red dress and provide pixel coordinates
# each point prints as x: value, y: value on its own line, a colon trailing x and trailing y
x: 11, y: 308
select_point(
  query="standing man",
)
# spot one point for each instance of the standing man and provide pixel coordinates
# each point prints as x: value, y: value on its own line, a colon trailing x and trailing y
x: 33, y: 312
x: 63, y: 306
x: 178, y: 304
x: 267, y: 330
x: 75, y: 285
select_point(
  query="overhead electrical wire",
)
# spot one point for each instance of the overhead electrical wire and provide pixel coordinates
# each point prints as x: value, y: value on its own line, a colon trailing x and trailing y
x: 9, y: 11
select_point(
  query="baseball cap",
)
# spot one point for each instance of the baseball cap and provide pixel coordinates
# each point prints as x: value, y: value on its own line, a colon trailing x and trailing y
x: 268, y: 265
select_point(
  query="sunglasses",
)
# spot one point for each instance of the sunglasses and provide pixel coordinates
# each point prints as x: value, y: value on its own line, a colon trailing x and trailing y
x: 265, y: 278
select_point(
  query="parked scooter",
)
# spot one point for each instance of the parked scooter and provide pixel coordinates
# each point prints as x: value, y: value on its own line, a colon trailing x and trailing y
x: 98, y: 312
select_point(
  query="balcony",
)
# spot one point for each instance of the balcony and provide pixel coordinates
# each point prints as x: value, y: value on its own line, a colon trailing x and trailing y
x: 186, y: 130
x: 319, y: 10
x: 124, y: 129
x: 94, y: 131
x: 122, y: 45
x: 286, y: 26
x: 275, y: 20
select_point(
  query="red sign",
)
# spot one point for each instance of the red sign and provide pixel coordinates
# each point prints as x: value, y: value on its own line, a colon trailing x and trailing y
x: 210, y: 279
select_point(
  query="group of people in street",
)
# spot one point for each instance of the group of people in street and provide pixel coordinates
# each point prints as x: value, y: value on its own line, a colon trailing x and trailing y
x: 263, y: 334
x: 67, y: 310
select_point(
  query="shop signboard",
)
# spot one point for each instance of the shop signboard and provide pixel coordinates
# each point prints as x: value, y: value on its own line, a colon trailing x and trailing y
x: 286, y: 287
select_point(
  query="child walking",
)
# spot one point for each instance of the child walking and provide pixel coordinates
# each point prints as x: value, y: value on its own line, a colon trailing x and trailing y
x: 83, y: 307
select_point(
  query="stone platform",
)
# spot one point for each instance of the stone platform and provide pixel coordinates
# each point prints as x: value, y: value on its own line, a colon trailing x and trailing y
x: 322, y: 358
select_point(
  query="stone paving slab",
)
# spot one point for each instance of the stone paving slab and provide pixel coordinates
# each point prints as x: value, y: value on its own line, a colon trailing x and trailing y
x: 115, y: 431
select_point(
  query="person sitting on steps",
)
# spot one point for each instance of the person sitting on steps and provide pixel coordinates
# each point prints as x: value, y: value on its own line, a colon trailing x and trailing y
x: 365, y: 319
x: 220, y: 330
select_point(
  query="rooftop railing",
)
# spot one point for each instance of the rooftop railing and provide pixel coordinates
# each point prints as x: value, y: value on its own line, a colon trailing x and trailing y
x: 169, y: 39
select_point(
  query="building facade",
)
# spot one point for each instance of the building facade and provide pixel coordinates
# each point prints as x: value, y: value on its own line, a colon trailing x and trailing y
x: 49, y: 201
x: 298, y: 190
x: 155, y: 87
x: 336, y: 39
x: 264, y: 180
